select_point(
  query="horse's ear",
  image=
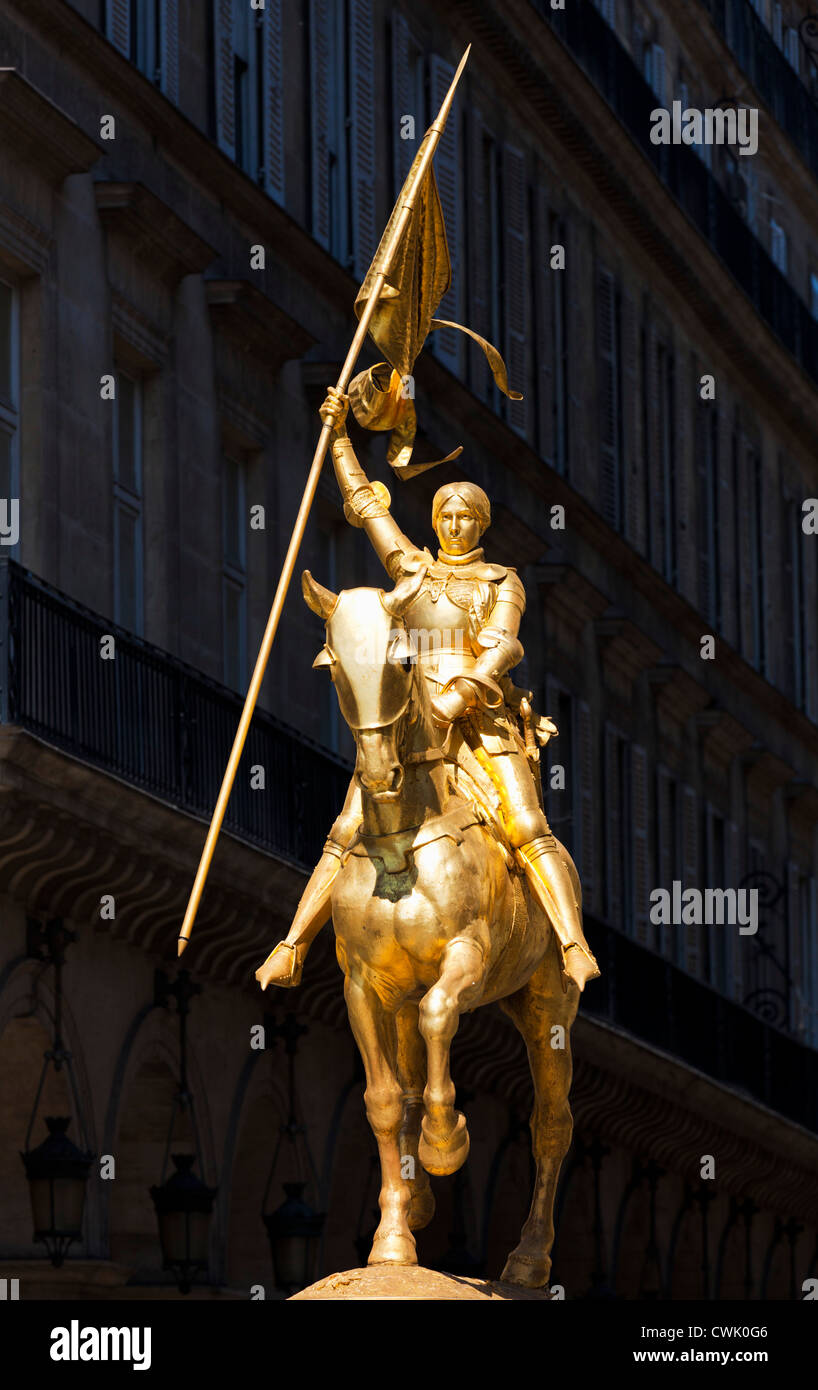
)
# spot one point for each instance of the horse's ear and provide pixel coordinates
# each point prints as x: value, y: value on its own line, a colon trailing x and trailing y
x: 403, y: 593
x: 322, y: 601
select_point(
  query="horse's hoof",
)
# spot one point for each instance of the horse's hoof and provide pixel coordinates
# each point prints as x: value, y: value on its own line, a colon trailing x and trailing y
x: 443, y: 1157
x: 397, y: 1248
x: 530, y: 1273
x: 421, y: 1208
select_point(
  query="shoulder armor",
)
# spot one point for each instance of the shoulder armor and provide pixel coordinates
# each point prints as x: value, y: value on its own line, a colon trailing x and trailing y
x: 512, y: 590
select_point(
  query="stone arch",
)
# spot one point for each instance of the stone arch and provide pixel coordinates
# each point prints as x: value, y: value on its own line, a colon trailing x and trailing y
x: 26, y: 1031
x: 136, y: 1132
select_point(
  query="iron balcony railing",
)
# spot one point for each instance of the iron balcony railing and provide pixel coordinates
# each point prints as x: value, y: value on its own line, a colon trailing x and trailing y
x: 653, y: 1000
x: 596, y: 48
x: 759, y: 56
x: 162, y: 726
x: 155, y: 722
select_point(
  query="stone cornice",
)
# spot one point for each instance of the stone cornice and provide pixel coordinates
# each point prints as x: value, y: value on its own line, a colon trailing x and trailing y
x: 152, y: 230
x: 569, y: 594
x: 722, y: 737
x: 677, y: 695
x: 256, y: 325
x: 625, y: 648
x: 33, y: 127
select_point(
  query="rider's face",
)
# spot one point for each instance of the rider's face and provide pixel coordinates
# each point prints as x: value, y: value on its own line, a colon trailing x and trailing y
x: 458, y: 529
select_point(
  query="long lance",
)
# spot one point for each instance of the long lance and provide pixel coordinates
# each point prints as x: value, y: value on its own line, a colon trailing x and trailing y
x: 406, y: 203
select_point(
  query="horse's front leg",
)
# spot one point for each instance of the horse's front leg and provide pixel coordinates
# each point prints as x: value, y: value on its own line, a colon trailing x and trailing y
x: 444, y: 1140
x: 375, y: 1034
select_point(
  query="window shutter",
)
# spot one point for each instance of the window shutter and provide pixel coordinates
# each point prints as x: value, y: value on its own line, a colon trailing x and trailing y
x: 273, y: 99
x: 685, y: 520
x: 810, y: 563
x: 641, y: 861
x: 362, y: 103
x: 588, y: 799
x: 666, y: 848
x: 726, y: 525
x: 744, y: 548
x: 517, y: 285
x: 477, y: 232
x: 223, y: 71
x: 404, y: 151
x: 733, y: 855
x: 542, y: 336
x: 656, y: 465
x: 657, y: 59
x: 118, y: 25
x: 607, y: 404
x: 613, y: 828
x: 448, y: 343
x: 795, y: 1020
x: 169, y: 40
x: 554, y: 800
x: 319, y: 76
x: 690, y: 876
x: 633, y: 462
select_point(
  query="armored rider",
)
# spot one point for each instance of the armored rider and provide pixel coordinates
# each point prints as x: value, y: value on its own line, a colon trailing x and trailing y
x: 475, y: 609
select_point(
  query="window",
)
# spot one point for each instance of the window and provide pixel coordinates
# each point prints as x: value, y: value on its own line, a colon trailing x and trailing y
x: 234, y: 578
x: 808, y: 931
x: 794, y: 564
x: 707, y: 449
x: 559, y: 328
x: 9, y: 412
x: 813, y: 293
x: 757, y: 574
x: 668, y: 866
x: 618, y: 847
x: 248, y: 89
x: 147, y: 32
x: 128, y: 556
x: 792, y: 48
x: 609, y: 412
x: 607, y: 8
x: 778, y: 23
x: 666, y: 383
x: 562, y: 753
x: 653, y: 66
x: 778, y: 245
x: 715, y: 937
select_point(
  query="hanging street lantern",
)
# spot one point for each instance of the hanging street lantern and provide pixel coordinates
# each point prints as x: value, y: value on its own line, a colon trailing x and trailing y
x: 183, y: 1203
x: 294, y: 1228
x: 57, y: 1170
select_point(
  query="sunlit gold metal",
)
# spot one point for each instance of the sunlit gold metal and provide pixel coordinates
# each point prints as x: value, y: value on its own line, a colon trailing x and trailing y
x: 412, y: 191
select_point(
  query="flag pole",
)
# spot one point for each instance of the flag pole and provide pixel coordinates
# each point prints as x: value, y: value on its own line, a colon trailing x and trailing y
x: 406, y: 203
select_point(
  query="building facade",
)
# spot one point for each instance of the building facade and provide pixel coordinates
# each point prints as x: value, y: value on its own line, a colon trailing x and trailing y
x: 191, y: 196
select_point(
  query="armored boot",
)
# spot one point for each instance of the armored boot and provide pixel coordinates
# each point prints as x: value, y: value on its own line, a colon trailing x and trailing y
x: 549, y: 877
x: 285, y: 962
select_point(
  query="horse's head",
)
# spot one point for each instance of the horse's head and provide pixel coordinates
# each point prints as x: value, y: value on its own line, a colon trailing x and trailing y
x: 372, y: 661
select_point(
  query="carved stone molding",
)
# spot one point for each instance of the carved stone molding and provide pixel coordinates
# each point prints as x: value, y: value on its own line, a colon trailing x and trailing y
x: 626, y: 650
x: 153, y: 231
x: 677, y: 695
x: 255, y: 324
x: 722, y: 737
x: 35, y: 129
x: 568, y: 594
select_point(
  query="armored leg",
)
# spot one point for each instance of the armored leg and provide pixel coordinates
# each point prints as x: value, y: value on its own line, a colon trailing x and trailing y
x: 547, y: 871
x: 285, y: 963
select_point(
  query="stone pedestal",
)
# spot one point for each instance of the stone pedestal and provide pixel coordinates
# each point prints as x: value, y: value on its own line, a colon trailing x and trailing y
x: 412, y: 1281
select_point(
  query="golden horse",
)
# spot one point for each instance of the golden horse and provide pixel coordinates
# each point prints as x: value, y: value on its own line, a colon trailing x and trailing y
x: 432, y: 919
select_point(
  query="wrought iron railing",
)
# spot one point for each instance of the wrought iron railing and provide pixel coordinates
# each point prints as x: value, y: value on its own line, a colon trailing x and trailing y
x: 773, y: 77
x: 595, y: 46
x: 660, y: 1004
x: 155, y: 722
x: 162, y: 726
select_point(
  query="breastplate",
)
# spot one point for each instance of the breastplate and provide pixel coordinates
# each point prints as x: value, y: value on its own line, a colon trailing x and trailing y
x: 440, y: 630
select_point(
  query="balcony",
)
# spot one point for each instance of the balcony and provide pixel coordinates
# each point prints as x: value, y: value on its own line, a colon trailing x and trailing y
x: 596, y: 48
x: 163, y: 728
x: 758, y: 55
x: 156, y: 723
